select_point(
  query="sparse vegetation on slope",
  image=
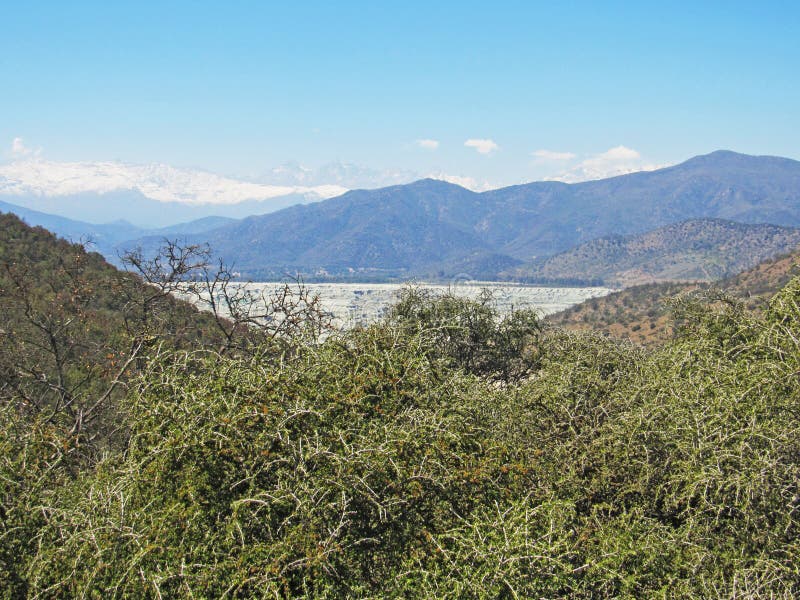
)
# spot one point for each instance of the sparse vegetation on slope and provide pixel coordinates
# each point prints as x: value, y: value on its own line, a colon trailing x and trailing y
x: 695, y: 250
x: 642, y: 313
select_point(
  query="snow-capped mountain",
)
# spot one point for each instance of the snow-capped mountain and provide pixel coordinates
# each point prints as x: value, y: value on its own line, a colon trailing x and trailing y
x: 349, y: 175
x: 154, y: 195
x: 156, y: 181
x: 159, y: 195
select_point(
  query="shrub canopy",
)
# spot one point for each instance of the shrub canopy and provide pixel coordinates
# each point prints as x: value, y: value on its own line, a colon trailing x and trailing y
x: 442, y: 452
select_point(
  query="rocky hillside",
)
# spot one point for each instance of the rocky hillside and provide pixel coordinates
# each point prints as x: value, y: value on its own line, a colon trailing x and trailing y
x: 640, y: 313
x: 693, y: 250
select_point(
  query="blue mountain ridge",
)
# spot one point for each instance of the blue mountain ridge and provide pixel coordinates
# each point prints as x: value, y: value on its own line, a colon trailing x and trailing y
x: 435, y: 229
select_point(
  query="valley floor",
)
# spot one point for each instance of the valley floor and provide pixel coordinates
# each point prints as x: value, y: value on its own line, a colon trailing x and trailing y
x: 362, y: 303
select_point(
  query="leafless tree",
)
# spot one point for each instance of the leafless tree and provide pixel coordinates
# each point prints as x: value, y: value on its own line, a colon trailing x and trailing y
x: 244, y: 314
x: 73, y: 332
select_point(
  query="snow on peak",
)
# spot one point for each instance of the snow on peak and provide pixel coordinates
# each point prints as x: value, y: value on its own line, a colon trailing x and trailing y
x: 155, y: 181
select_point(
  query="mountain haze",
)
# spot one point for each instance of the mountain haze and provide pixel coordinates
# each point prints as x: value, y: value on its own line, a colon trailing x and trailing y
x: 107, y: 238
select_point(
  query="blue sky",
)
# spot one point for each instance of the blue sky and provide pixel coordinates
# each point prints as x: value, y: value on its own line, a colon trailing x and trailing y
x: 239, y: 87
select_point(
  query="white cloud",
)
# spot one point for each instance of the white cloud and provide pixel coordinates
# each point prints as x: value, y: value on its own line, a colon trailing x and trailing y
x: 20, y: 150
x: 548, y: 155
x: 619, y: 160
x: 482, y: 146
x: 428, y: 144
x: 618, y: 153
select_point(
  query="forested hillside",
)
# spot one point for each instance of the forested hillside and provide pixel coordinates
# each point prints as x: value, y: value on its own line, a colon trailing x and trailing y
x: 444, y: 451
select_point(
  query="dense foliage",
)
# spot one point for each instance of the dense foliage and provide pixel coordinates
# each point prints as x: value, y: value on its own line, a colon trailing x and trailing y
x: 442, y: 452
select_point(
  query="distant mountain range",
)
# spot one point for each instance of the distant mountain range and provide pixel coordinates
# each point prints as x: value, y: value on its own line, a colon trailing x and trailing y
x: 345, y: 175
x: 431, y: 228
x: 109, y: 238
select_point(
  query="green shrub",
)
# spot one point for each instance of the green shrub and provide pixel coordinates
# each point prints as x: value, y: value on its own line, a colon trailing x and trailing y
x: 443, y: 452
